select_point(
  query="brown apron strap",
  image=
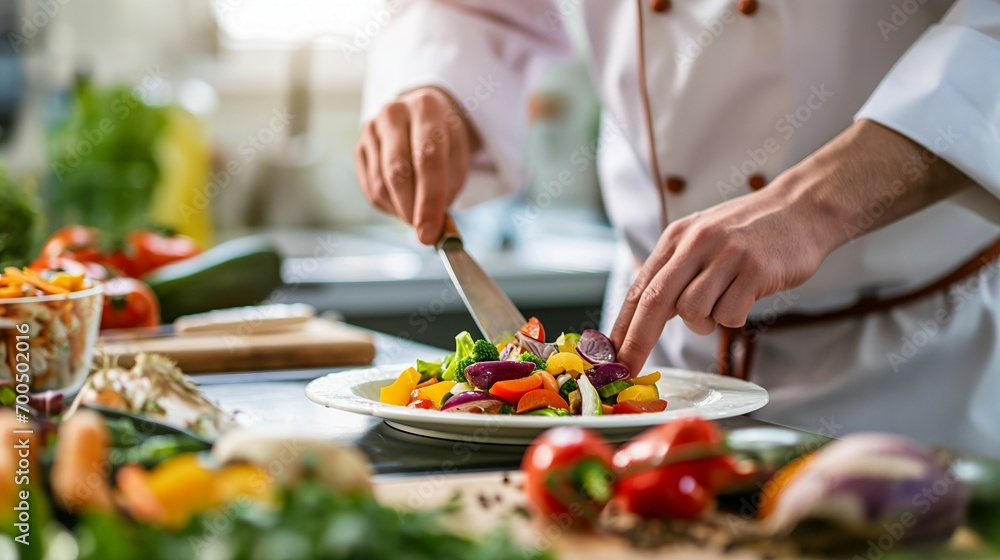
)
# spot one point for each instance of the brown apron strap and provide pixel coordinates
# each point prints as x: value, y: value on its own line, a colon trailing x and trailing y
x: 749, y: 333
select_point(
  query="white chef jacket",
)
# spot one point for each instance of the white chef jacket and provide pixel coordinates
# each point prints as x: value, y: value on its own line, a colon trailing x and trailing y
x: 734, y: 96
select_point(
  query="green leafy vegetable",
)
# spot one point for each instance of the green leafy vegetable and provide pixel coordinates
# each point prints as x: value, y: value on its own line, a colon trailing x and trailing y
x: 529, y: 357
x: 549, y: 411
x: 463, y: 349
x: 428, y: 370
x: 19, y: 222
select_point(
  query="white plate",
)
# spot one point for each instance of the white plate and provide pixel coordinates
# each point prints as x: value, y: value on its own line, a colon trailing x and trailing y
x: 687, y: 393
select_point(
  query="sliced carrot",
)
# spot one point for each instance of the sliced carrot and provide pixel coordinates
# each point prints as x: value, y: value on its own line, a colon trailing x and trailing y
x: 541, y: 398
x: 607, y: 409
x: 30, y: 277
x: 430, y: 381
x: 513, y: 390
x: 548, y: 381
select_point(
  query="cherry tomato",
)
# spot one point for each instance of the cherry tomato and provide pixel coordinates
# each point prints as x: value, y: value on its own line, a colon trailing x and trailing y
x: 672, y: 491
x: 148, y: 250
x: 72, y: 239
x: 567, y: 476
x: 534, y: 329
x: 129, y: 303
x: 675, y: 470
x: 636, y: 407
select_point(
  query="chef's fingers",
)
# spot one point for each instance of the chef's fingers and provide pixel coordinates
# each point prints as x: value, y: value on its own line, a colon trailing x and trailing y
x: 734, y: 306
x: 366, y: 164
x: 649, y: 269
x: 459, y: 150
x: 393, y: 129
x: 657, y: 304
x: 696, y: 303
x: 430, y: 141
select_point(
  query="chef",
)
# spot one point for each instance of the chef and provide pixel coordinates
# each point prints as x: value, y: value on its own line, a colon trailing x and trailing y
x: 805, y: 193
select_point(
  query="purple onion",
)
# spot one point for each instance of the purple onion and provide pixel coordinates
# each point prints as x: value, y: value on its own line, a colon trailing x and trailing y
x: 867, y: 482
x: 484, y: 374
x: 602, y: 374
x: 475, y: 401
x: 595, y: 347
x: 541, y: 349
x: 509, y: 352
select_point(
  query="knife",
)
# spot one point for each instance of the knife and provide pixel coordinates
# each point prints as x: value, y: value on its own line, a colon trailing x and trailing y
x: 496, y: 316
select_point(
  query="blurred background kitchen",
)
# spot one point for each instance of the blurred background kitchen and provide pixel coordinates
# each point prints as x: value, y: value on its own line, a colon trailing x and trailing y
x: 223, y: 118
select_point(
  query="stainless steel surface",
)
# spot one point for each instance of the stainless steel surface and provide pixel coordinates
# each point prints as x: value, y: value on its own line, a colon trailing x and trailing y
x: 495, y: 314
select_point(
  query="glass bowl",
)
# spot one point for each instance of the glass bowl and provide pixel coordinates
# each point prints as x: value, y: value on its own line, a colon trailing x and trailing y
x: 50, y: 338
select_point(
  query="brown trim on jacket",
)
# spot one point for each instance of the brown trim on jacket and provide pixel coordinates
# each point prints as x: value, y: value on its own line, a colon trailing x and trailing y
x: 749, y: 334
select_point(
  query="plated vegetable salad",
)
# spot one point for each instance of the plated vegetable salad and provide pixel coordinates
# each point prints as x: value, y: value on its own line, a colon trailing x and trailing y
x: 575, y: 375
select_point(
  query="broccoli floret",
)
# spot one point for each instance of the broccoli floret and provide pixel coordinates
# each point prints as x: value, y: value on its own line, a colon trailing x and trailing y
x: 485, y: 351
x: 568, y: 387
x: 460, y: 368
x: 529, y: 357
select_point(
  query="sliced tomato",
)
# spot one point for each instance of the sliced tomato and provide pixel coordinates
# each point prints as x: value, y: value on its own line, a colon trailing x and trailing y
x: 421, y: 403
x: 534, y: 329
x: 513, y: 390
x: 636, y: 407
x: 541, y: 398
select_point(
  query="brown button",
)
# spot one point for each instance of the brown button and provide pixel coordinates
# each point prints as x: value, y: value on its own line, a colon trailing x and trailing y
x: 659, y: 5
x: 747, y: 7
x: 675, y: 184
x: 756, y: 182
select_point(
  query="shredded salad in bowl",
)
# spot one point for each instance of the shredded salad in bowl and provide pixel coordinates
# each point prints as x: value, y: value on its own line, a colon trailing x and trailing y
x: 575, y: 375
x: 50, y: 322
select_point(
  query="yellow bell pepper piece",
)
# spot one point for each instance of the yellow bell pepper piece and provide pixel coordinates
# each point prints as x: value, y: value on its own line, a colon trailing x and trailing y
x: 72, y: 282
x: 639, y: 393
x: 399, y: 392
x: 565, y: 362
x: 435, y: 392
x: 649, y: 379
x: 182, y: 486
x: 243, y: 480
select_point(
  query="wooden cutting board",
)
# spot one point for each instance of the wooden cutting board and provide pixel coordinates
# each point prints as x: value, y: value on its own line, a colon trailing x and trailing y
x: 318, y: 343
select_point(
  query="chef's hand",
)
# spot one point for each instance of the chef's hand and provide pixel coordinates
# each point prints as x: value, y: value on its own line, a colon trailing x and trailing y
x: 413, y: 158
x: 710, y: 267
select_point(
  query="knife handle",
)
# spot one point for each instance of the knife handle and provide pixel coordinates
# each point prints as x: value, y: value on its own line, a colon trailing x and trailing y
x: 449, y: 232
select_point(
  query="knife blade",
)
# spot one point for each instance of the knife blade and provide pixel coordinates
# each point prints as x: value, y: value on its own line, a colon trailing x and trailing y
x: 496, y: 316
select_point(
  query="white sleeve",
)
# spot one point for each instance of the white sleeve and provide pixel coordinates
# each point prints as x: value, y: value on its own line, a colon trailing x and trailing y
x: 487, y: 54
x: 944, y: 93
